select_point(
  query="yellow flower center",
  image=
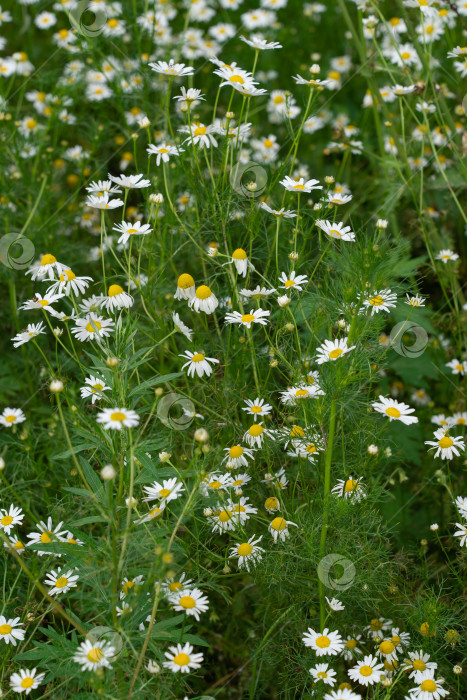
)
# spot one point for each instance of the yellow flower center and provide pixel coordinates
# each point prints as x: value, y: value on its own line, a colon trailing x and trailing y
x: 203, y: 292
x: 239, y: 254
x: 245, y: 549
x: 61, y: 582
x: 429, y: 686
x: 279, y: 524
x: 271, y: 503
x: 289, y: 283
x: 335, y: 232
x: 446, y: 442
x: 95, y: 655
x: 181, y: 659
x: 197, y: 357
x: 350, y: 485
x: 311, y: 449
x: 187, y: 602
x: 164, y: 492
x: 393, y: 412
x: 267, y: 143
x: 67, y: 276
x: 6, y: 520
x: 224, y: 516
x: 366, y: 671
x: 337, y: 352
x: 27, y: 682
x: 334, y: 75
x: 48, y: 259
x: 323, y: 642
x: 376, y: 301
x: 322, y: 674
x: 31, y: 124
x: 235, y: 451
x: 45, y: 537
x: 351, y: 643
x: 386, y: 648
x: 175, y: 586
x: 300, y: 393
x: 248, y: 318
x: 5, y: 629
x: 185, y: 281
x: 255, y: 430
x: 419, y: 665
x: 93, y: 326
x: 236, y: 79
x: 396, y: 640
x: 376, y: 624
x: 296, y: 432
x: 97, y: 387
x: 114, y: 290
x: 113, y: 23
x: 18, y: 545
x: 118, y: 416
x: 215, y: 485
x: 200, y: 131
x: 299, y: 187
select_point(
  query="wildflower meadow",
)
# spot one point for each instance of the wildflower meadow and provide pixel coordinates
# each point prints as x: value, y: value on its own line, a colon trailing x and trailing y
x: 233, y: 314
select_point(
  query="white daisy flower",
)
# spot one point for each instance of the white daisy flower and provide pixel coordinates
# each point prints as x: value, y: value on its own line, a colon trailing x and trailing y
x: 198, y: 363
x: 331, y: 350
x: 428, y: 687
x: 116, y: 299
x: 190, y: 601
x: 293, y: 281
x: 164, y: 151
x: 46, y: 268
x: 41, y: 302
x: 258, y: 407
x: 214, y: 482
x: 102, y: 187
x: 181, y: 658
x: 383, y: 300
x: 92, y: 327
x: 94, y: 388
x: 256, y: 433
x: 26, y: 680
x: 461, y: 533
x: 446, y: 447
x: 129, y: 229
x: 129, y: 585
x: 446, y: 255
x: 415, y: 300
x: 335, y: 230
x: 350, y: 488
x: 16, y: 544
x: 351, y: 647
x: 153, y: 514
x: 185, y: 287
x: 241, y: 262
x: 337, y: 199
x: 174, y: 584
x: 61, y: 581
x: 300, y: 185
x: 395, y: 410
x: 11, y: 517
x: 169, y: 490
x: 248, y: 553
x: 182, y: 327
x: 367, y: 671
x: 335, y: 604
x: 322, y: 672
x: 457, y: 367
x: 280, y: 213
x: 324, y: 642
x: 32, y: 331
x: 129, y: 182
x: 255, y: 316
x: 300, y: 393
x: 238, y: 481
x: 103, y: 202
x: 461, y: 505
x: 12, y: 416
x: 279, y: 528
x: 459, y: 418
x: 344, y: 694
x: 117, y: 418
x: 47, y: 534
x: 237, y: 456
x: 92, y: 655
x: 171, y: 69
x: 68, y: 282
x: 9, y: 630
x: 203, y: 300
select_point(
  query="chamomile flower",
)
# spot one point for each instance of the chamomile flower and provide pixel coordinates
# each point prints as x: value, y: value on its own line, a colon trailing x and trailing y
x: 302, y: 392
x: 164, y: 151
x: 185, y: 287
x: 223, y: 518
x: 130, y: 182
x: 461, y: 533
x: 117, y: 418
x: 323, y: 643
x: 240, y: 260
x: 457, y: 367
x: 26, y: 680
x: 336, y: 230
x: 367, y: 671
x: 130, y: 585
x: 129, y: 229
x: 182, y: 327
x: 203, y: 300
x: 332, y: 350
x: 92, y: 655
x: 256, y: 433
x: 248, y: 553
x: 383, y: 300
x: 279, y: 528
x: 92, y: 327
x: 293, y: 281
x: 387, y: 650
x: 300, y: 185
x: 169, y: 490
x: 351, y: 647
x: 237, y: 456
x: 214, y: 482
x: 102, y: 187
x: 461, y: 505
x: 190, y: 95
x: 94, y: 386
x: 335, y: 604
x: 116, y: 299
x: 104, y: 202
x: 11, y: 417
x: 446, y: 256
x: 337, y: 199
x: 61, y: 581
x: 459, y: 418
x: 171, y: 69
x: 415, y: 300
x: 342, y: 694
x: 257, y: 293
x: 15, y: 544
x: 32, y: 331
x: 198, y: 363
x: 199, y: 134
x: 47, y: 267
x: 11, y: 517
x: 68, y: 282
x: 259, y: 44
x: 175, y: 584
x: 428, y: 687
x: 446, y: 447
x: 257, y: 408
x: 350, y: 489
x: 41, y: 302
x: 153, y: 514
x: 279, y: 213
x: 10, y: 631
x: 238, y: 481
x: 189, y: 600
x: 395, y: 410
x: 255, y: 316
x: 46, y: 535
x: 181, y: 658
x: 322, y: 672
